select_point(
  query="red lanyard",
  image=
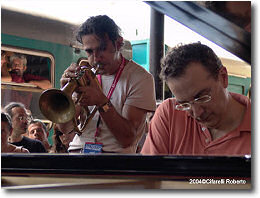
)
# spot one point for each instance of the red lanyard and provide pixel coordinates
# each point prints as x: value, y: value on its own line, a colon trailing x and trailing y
x: 112, y: 88
x: 116, y: 79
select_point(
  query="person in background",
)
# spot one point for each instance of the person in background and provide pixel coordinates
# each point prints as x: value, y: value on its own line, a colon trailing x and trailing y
x: 6, y: 131
x: 127, y: 93
x: 20, y: 120
x: 37, y: 130
x: 61, y: 141
x: 204, y: 118
x: 18, y: 64
x: 5, y: 75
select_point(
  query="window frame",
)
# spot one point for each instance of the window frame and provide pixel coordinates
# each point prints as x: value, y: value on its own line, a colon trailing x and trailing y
x: 32, y: 52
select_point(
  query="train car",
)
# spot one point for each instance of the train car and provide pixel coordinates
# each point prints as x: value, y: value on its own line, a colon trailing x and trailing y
x: 47, y: 54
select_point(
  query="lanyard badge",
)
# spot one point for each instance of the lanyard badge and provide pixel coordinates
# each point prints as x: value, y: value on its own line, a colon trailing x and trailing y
x: 96, y: 147
x: 93, y: 147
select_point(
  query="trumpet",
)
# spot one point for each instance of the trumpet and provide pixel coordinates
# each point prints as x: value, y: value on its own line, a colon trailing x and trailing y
x: 58, y: 106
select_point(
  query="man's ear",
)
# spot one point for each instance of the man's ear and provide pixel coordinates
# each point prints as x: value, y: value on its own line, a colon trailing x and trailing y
x: 119, y: 42
x: 24, y: 67
x: 223, y: 76
x: 11, y: 131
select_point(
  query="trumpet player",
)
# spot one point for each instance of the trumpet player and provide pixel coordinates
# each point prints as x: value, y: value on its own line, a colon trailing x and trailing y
x: 127, y: 92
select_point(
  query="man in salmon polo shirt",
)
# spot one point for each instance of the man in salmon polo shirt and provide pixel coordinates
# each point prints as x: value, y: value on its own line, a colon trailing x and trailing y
x: 204, y: 118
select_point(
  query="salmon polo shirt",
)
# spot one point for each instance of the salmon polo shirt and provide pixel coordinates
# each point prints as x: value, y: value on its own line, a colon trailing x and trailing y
x: 176, y: 132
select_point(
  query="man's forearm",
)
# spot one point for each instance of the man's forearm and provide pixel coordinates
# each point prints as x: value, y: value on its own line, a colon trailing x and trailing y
x: 120, y: 127
x: 43, y: 84
x: 6, y: 79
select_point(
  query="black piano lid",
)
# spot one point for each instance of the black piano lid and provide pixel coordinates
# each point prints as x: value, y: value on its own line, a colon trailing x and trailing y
x: 116, y: 164
x: 209, y: 25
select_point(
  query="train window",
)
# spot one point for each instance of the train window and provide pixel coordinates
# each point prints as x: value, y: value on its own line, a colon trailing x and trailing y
x: 24, y: 75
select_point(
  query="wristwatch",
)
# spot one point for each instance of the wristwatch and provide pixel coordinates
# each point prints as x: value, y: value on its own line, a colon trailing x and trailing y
x: 105, y: 107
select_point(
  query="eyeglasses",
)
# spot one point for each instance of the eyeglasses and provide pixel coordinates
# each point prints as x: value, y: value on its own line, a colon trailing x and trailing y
x: 187, y: 105
x: 24, y: 118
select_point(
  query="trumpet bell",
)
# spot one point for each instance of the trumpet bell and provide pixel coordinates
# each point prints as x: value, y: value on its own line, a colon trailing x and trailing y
x: 57, y: 106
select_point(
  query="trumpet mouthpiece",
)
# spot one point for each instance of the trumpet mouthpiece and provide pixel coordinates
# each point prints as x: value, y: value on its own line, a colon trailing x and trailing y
x: 96, y: 69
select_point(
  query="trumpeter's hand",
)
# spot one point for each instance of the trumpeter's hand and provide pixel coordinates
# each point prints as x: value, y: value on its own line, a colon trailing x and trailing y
x: 70, y: 72
x: 91, y: 94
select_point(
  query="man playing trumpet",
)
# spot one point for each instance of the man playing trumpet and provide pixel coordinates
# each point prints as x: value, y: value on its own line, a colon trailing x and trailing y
x: 127, y: 91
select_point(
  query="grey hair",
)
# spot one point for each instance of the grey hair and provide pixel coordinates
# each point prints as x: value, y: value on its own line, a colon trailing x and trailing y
x: 8, y: 108
x: 20, y: 56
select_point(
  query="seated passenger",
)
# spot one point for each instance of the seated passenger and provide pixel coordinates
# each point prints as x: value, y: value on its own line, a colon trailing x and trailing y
x: 18, y: 66
x: 38, y: 131
x: 204, y: 117
x: 20, y: 121
x: 6, y: 131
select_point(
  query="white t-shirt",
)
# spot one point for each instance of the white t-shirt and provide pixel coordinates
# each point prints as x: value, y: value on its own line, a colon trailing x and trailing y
x: 135, y: 88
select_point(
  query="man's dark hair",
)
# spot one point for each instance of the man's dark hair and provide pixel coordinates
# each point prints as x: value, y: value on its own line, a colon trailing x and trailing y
x: 58, y: 146
x: 35, y: 121
x: 177, y: 59
x: 8, y: 108
x: 6, y: 118
x: 101, y: 26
